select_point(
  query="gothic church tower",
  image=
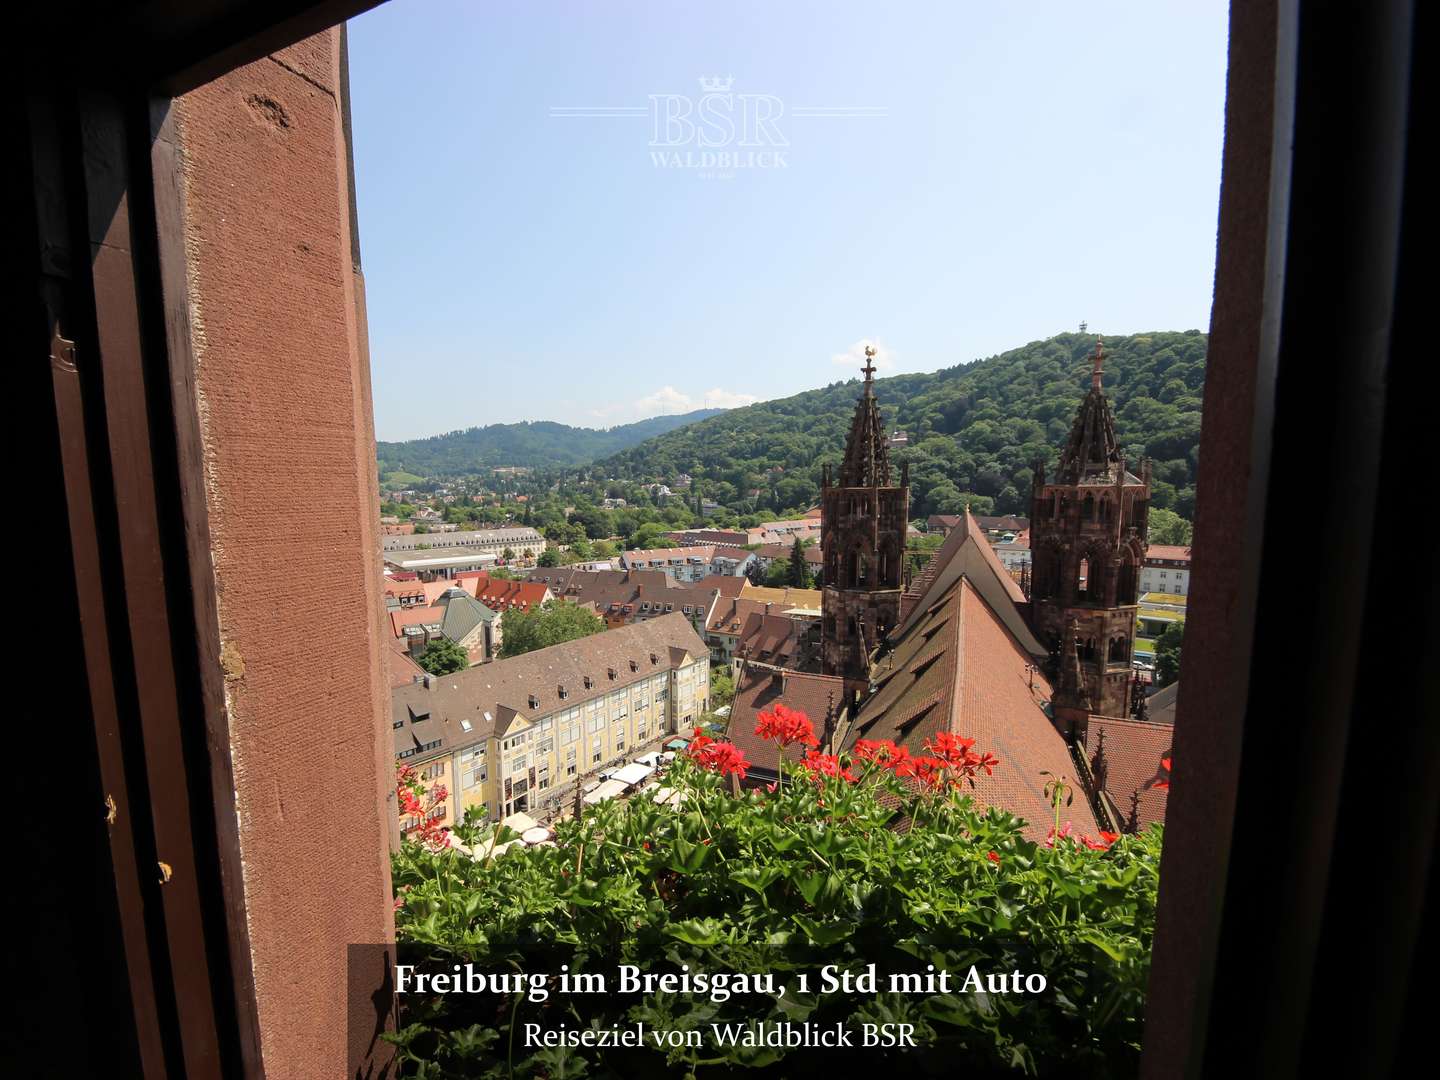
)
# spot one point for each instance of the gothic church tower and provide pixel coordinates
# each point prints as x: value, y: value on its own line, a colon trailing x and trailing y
x: 864, y: 519
x: 1087, y: 539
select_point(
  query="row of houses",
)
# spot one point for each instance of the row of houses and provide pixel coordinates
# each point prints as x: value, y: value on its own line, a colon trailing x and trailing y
x: 692, y: 563
x: 523, y: 735
x: 522, y: 540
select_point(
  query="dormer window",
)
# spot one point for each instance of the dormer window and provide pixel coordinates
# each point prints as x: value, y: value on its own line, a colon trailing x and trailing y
x: 589, y: 682
x: 611, y: 672
x: 534, y: 701
x: 654, y: 658
x: 562, y: 692
x: 634, y: 665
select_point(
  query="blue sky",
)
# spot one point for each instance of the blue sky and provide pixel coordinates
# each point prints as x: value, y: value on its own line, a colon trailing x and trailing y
x: 1018, y: 168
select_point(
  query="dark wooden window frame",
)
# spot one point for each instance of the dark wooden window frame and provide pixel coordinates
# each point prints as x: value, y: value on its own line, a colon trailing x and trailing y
x: 1307, y: 781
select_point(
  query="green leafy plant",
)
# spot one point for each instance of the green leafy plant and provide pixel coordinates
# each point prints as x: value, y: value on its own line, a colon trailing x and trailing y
x: 443, y: 656
x: 875, y: 857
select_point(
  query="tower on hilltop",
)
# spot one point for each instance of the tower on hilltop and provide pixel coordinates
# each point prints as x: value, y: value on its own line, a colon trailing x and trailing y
x: 1087, y: 537
x: 863, y: 523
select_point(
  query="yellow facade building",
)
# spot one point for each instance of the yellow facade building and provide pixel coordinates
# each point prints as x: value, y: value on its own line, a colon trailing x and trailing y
x: 521, y: 734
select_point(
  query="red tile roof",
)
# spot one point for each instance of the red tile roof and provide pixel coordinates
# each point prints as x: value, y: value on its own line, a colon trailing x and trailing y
x: 1168, y: 552
x: 730, y: 614
x: 758, y: 690
x: 771, y: 639
x: 400, y: 668
x: 1125, y: 757
x: 414, y: 615
x: 967, y: 553
x: 399, y: 589
x: 955, y: 666
x: 502, y: 594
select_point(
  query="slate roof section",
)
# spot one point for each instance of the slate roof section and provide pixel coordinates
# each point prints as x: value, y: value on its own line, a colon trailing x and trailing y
x: 957, y: 666
x: 463, y: 613
x: 1160, y: 706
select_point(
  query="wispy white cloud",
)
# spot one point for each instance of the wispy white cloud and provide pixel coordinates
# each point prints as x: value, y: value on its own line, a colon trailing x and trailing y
x: 663, y: 402
x: 667, y: 401
x: 854, y: 356
x: 727, y: 399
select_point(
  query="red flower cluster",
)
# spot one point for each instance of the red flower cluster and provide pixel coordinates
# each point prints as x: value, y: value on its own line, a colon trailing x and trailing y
x: 786, y: 725
x: 1079, y: 840
x: 416, y: 801
x: 722, y: 757
x: 948, y: 760
x: 822, y: 765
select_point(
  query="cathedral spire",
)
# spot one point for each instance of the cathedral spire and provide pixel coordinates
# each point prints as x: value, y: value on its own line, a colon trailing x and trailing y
x: 1092, y: 452
x: 867, y: 455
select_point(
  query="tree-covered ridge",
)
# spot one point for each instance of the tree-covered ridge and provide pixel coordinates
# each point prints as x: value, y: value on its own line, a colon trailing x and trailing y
x: 974, y: 429
x: 538, y: 444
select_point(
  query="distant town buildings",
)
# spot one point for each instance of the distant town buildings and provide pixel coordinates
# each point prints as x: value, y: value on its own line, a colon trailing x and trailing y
x: 769, y: 554
x: 784, y: 532
x: 694, y: 537
x: 691, y: 563
x: 521, y: 539
x: 448, y: 554
x: 622, y: 597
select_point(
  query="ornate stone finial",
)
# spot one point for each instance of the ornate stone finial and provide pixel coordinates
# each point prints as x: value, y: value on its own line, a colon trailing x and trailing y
x: 869, y: 368
x: 1095, y: 375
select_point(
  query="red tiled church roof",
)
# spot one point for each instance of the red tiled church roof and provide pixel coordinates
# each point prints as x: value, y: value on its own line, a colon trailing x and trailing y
x: 1125, y: 757
x: 957, y: 667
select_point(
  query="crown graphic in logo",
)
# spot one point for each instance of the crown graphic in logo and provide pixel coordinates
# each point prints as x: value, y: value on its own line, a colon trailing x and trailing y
x: 714, y: 84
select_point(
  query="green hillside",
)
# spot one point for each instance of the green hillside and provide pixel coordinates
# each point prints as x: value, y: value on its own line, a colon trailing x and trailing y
x: 974, y: 429
x: 541, y: 444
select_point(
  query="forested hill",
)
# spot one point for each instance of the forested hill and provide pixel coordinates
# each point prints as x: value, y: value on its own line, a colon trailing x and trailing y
x: 538, y: 445
x: 974, y: 429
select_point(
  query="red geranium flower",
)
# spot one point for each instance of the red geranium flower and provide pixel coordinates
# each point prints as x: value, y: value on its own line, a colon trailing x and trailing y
x: 722, y: 757
x: 822, y: 765
x: 786, y: 725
